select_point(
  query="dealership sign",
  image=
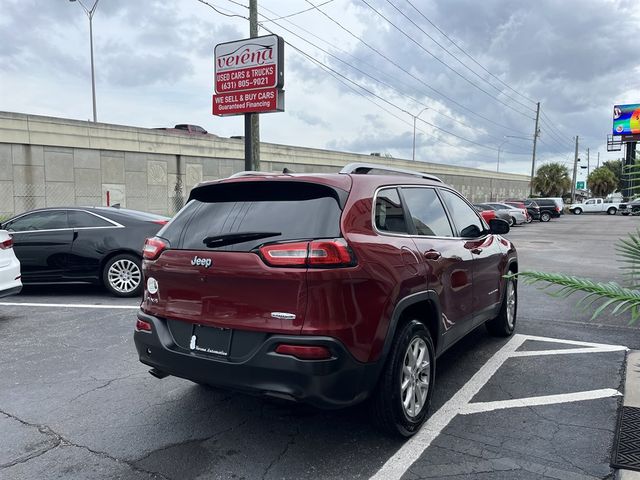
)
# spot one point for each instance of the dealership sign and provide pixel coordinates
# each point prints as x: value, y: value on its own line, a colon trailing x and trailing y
x: 626, y: 119
x: 249, y: 76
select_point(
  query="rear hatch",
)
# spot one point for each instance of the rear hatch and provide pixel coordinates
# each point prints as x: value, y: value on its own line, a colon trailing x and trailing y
x: 230, y: 258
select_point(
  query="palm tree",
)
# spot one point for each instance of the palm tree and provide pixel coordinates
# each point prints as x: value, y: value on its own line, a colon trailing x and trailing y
x: 552, y: 180
x: 608, y: 295
x: 602, y: 182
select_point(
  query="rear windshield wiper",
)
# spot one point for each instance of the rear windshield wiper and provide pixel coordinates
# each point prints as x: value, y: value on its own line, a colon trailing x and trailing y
x: 238, y: 237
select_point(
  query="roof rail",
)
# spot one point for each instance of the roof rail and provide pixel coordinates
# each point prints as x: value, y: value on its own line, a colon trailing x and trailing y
x: 251, y: 173
x: 365, y: 168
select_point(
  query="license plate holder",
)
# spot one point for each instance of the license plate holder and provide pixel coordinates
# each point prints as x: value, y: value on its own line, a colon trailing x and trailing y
x: 211, y: 340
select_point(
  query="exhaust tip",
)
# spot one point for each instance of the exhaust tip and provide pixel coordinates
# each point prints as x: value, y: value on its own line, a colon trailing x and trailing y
x: 158, y: 373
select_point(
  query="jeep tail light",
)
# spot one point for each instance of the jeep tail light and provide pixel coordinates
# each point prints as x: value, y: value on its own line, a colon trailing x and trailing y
x: 153, y: 247
x: 318, y: 253
x: 142, y: 326
x: 330, y: 253
x: 285, y: 254
x: 304, y: 352
x: 6, y: 244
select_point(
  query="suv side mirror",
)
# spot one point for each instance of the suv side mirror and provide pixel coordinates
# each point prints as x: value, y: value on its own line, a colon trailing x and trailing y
x: 498, y: 226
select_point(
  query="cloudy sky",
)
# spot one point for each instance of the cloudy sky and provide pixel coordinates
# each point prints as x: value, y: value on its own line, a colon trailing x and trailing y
x: 357, y: 71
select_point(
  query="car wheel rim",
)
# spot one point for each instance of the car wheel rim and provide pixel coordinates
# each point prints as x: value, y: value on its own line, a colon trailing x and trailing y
x: 124, y: 276
x: 415, y: 378
x: 511, y: 305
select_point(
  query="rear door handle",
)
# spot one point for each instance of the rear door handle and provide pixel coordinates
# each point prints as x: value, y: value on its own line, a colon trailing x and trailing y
x: 432, y: 254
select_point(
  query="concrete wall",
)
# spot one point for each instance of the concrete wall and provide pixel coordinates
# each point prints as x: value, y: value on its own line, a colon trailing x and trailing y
x: 47, y: 161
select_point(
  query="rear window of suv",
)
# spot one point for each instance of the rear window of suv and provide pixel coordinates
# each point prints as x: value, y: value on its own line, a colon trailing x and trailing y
x: 287, y: 210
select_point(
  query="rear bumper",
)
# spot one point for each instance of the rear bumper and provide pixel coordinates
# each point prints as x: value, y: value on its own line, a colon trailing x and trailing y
x: 333, y: 383
x: 10, y: 282
x: 11, y: 291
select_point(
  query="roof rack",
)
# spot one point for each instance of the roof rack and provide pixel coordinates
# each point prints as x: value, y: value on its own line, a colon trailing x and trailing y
x: 365, y: 168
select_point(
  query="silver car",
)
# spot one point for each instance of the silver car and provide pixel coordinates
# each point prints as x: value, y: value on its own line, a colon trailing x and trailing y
x: 517, y: 216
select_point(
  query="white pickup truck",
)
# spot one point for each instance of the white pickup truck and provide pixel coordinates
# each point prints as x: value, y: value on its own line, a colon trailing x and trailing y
x: 594, y: 205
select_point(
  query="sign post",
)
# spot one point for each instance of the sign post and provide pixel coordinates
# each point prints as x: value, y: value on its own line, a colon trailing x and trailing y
x: 249, y: 77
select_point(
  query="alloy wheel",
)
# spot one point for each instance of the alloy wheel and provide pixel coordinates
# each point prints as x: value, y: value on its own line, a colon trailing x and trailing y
x: 511, y: 304
x: 415, y: 378
x: 124, y: 276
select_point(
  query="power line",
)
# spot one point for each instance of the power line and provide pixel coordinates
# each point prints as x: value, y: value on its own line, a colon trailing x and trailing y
x: 395, y: 64
x: 382, y: 82
x: 419, y: 102
x: 219, y: 10
x: 549, y: 123
x: 443, y: 62
x: 467, y: 54
x: 297, y: 13
x: 457, y: 59
x: 372, y: 93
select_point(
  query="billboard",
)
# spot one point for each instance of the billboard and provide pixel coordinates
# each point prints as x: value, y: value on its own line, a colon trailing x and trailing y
x: 249, y: 76
x: 626, y: 119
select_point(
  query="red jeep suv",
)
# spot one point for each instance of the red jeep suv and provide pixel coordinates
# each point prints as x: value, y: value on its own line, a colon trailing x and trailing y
x: 324, y: 288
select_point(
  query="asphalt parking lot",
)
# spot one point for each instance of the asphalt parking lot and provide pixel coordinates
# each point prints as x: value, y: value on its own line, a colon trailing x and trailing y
x: 76, y: 403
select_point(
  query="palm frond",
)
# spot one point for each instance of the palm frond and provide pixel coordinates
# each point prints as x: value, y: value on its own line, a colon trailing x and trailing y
x: 617, y: 298
x: 628, y: 250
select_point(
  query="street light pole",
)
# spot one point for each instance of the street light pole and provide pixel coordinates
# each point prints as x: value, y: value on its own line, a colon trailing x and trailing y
x: 90, y: 13
x: 415, y: 118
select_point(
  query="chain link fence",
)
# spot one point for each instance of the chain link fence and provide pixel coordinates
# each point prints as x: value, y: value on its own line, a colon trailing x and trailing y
x: 19, y: 198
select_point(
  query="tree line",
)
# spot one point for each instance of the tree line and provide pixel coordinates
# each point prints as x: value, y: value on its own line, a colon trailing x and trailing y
x: 554, y: 180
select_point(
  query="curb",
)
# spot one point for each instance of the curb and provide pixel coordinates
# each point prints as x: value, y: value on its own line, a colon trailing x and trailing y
x: 631, y: 399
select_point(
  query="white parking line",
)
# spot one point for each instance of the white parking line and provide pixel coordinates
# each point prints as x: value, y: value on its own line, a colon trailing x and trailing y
x: 460, y: 403
x: 68, y: 305
x: 480, y: 407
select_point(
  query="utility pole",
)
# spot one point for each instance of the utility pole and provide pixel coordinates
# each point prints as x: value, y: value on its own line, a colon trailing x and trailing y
x: 598, y: 164
x: 588, y: 164
x: 252, y: 120
x: 536, y: 132
x: 575, y: 172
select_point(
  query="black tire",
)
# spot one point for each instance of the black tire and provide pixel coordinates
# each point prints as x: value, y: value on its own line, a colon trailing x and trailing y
x: 512, y: 221
x: 529, y: 219
x: 545, y: 216
x: 577, y: 211
x: 611, y: 211
x: 387, y: 408
x: 122, y: 275
x: 505, y: 323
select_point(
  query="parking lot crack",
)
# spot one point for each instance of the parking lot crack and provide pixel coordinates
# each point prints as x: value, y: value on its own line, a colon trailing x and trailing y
x: 61, y: 441
x: 100, y: 387
x: 56, y: 440
x: 275, y: 461
x: 191, y: 440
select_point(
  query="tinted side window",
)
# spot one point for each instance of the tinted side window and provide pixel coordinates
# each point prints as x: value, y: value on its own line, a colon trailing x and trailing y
x: 50, y: 220
x: 464, y: 217
x: 389, y: 214
x: 79, y: 219
x: 427, y: 212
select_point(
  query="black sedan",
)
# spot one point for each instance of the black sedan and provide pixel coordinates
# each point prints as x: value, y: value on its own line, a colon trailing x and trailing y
x: 630, y: 208
x: 99, y: 245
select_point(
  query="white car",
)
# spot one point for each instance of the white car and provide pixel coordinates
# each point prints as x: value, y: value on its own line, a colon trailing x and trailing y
x: 10, y: 282
x: 518, y: 215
